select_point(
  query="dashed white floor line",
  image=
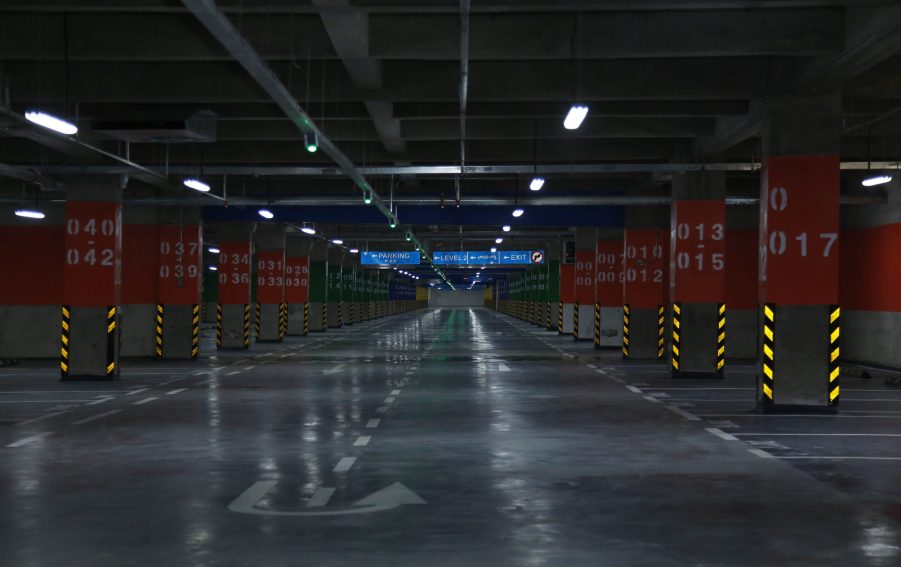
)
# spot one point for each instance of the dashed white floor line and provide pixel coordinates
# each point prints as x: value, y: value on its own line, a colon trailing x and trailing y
x: 761, y: 453
x: 634, y: 389
x: 177, y: 391
x: 144, y: 401
x: 381, y: 409
x: 389, y: 400
x: 653, y: 399
x: 133, y: 392
x: 321, y: 497
x: 395, y: 392
x: 681, y: 412
x: 344, y: 464
x: 233, y: 373
x: 26, y: 440
x: 96, y: 417
x: 249, y: 368
x: 42, y: 418
x: 818, y: 434
x: 721, y: 434
x: 362, y: 440
x: 839, y: 458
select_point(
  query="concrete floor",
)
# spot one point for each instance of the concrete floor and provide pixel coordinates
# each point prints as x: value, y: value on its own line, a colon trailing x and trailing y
x: 496, y: 443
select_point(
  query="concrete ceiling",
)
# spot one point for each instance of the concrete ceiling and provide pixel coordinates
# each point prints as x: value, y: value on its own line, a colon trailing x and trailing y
x: 667, y: 81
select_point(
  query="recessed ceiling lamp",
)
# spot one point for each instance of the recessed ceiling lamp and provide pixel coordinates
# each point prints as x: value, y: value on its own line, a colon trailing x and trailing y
x: 575, y: 116
x: 506, y: 228
x: 266, y: 213
x: 518, y: 212
x: 875, y: 180
x: 196, y: 184
x: 308, y: 228
x: 30, y: 214
x: 311, y: 141
x: 51, y: 122
x: 536, y: 184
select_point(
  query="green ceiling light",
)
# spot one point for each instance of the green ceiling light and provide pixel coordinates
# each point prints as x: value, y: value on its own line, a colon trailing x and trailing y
x: 311, y: 141
x: 392, y: 221
x: 408, y: 235
x: 367, y: 196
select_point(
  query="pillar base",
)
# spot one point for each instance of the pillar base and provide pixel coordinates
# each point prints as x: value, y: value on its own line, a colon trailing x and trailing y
x: 694, y: 375
x: 795, y: 408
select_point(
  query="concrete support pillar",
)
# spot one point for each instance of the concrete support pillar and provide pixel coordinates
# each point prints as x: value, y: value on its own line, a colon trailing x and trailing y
x: 234, y: 310
x: 319, y: 286
x: 270, y: 322
x: 348, y: 295
x: 608, y: 282
x: 177, y: 312
x: 335, y: 290
x: 92, y: 280
x: 698, y: 276
x: 567, y: 288
x: 583, y: 311
x: 297, y: 285
x: 646, y: 243
x: 140, y: 333
x: 799, y: 228
x: 552, y: 293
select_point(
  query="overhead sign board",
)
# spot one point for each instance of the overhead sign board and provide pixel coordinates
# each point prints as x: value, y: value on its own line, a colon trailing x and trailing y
x: 397, y: 258
x: 502, y: 257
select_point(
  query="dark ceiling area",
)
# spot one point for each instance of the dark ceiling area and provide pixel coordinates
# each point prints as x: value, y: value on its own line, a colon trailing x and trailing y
x: 433, y: 104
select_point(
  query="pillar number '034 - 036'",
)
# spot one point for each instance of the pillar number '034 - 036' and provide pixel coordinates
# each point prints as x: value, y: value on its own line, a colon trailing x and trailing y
x: 234, y: 272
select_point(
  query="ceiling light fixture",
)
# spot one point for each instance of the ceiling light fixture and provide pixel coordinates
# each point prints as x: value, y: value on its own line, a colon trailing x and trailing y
x: 266, y: 213
x: 213, y: 250
x: 311, y: 141
x: 876, y: 180
x: 337, y: 241
x: 51, y: 122
x: 214, y: 269
x: 196, y: 185
x: 308, y: 229
x: 493, y: 250
x: 536, y: 184
x: 498, y: 240
x: 30, y: 214
x: 367, y: 196
x: 575, y: 116
x: 354, y: 250
x: 518, y: 212
x: 506, y: 228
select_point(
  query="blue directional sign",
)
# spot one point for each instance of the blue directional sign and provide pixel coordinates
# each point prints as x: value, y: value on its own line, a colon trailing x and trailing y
x: 508, y: 257
x: 398, y: 258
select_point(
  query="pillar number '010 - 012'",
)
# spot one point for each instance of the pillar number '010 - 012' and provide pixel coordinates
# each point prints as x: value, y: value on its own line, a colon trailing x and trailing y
x: 799, y: 237
x: 93, y: 244
x: 698, y: 251
x: 645, y: 267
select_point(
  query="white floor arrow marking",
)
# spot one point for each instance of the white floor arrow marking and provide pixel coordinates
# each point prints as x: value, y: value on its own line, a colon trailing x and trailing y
x: 387, y: 498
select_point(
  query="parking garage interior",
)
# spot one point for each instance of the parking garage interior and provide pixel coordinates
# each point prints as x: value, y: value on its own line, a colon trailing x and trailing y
x: 475, y: 282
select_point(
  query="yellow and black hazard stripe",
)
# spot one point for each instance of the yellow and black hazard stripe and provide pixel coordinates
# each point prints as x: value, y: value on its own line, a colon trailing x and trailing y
x: 218, y: 325
x: 258, y: 320
x: 627, y: 319
x: 720, y: 337
x: 306, y: 318
x: 576, y: 320
x: 352, y: 313
x: 195, y: 330
x: 560, y: 317
x: 661, y: 339
x: 160, y: 309
x: 64, y: 349
x: 369, y: 311
x: 247, y: 324
x: 111, y: 323
x: 324, y: 316
x: 597, y: 325
x: 834, y: 354
x: 547, y: 318
x: 768, y: 361
x: 677, y: 336
x: 283, y: 321
x: 340, y: 318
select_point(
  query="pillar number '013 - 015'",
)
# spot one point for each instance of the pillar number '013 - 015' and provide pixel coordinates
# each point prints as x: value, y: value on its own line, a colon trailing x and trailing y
x: 799, y: 230
x: 698, y: 251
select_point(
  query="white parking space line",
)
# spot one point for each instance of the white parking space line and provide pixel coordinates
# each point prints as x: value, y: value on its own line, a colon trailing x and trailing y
x: 839, y: 458
x: 41, y: 418
x: 144, y: 401
x: 344, y: 464
x: 389, y: 400
x: 795, y: 415
x: 381, y: 409
x: 133, y: 392
x: 395, y: 392
x: 362, y: 440
x: 653, y: 399
x: 818, y: 434
x: 373, y: 423
x: 178, y: 391
x: 233, y: 373
x: 683, y: 413
x: 634, y: 389
x: 761, y: 453
x: 249, y: 368
x: 95, y: 417
x: 721, y: 434
x: 26, y: 440
x: 321, y: 497
x: 100, y: 401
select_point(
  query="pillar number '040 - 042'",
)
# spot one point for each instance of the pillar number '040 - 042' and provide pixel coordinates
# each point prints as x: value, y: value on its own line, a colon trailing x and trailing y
x: 93, y: 246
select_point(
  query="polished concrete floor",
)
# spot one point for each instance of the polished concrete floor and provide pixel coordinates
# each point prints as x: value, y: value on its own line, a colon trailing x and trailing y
x: 439, y: 437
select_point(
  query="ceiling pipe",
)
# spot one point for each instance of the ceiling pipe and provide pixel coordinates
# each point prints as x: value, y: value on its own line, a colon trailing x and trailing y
x: 447, y: 170
x: 464, y: 83
x: 221, y: 28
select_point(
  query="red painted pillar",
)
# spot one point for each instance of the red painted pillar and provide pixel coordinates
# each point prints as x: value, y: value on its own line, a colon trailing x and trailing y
x: 644, y: 292
x: 609, y: 290
x: 92, y: 278
x: 297, y: 294
x: 233, y: 312
x: 799, y: 252
x: 177, y: 324
x: 698, y: 276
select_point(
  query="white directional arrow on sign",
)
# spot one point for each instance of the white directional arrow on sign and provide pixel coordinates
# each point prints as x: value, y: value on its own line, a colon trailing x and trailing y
x: 333, y: 369
x: 388, y: 498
